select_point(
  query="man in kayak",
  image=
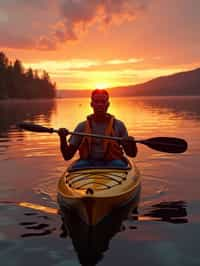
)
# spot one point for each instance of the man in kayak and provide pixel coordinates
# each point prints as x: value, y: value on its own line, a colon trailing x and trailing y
x: 95, y: 151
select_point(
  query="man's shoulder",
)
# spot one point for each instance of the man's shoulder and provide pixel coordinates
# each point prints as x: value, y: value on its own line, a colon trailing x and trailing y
x: 119, y: 122
x: 82, y: 123
x: 80, y: 126
x: 120, y: 127
x: 115, y: 120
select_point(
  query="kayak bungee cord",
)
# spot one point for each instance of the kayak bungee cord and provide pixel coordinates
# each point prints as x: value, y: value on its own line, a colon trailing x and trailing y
x: 73, y: 179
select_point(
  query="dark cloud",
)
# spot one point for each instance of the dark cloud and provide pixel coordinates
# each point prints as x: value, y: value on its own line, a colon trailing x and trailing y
x: 50, y: 22
x: 79, y: 14
x: 17, y: 41
x: 7, y: 4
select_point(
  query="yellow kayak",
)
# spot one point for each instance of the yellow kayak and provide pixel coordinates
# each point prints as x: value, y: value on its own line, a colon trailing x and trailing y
x: 95, y: 192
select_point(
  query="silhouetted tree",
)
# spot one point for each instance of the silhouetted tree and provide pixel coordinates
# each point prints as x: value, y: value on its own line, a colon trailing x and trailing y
x: 3, y: 78
x: 3, y: 61
x: 15, y: 82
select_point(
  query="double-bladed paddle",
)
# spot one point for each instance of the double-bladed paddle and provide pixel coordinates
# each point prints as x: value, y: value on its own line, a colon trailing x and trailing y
x: 163, y: 144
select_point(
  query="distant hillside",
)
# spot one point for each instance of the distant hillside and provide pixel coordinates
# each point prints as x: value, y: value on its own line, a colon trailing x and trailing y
x: 184, y: 83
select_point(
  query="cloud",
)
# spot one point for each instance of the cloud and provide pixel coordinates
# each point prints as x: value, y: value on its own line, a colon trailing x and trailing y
x: 128, y: 61
x: 50, y: 23
x: 78, y: 15
x: 3, y: 17
x: 83, y: 65
x: 17, y: 41
x: 39, y: 4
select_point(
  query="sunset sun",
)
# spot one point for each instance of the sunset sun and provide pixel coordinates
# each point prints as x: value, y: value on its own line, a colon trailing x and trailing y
x: 102, y: 85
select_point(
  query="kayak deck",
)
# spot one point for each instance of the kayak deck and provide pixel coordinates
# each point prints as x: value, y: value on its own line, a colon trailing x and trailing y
x: 94, y: 192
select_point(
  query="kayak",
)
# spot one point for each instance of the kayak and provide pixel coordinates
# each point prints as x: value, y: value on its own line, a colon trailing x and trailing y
x: 95, y: 192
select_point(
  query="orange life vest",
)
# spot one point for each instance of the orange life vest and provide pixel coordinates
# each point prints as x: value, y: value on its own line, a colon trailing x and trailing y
x: 111, y: 148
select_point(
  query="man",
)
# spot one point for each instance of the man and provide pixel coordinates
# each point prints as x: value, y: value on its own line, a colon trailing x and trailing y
x: 95, y: 151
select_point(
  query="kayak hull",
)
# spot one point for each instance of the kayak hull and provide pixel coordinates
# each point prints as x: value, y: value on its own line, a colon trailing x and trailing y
x: 94, y: 193
x: 92, y: 242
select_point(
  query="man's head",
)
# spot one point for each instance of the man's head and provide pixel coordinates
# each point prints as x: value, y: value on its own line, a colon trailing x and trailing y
x: 100, y: 101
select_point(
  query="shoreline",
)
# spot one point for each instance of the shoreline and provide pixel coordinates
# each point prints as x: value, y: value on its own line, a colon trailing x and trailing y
x: 16, y: 100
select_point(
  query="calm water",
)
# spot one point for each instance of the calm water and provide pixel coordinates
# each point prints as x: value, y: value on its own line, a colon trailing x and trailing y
x: 164, y: 231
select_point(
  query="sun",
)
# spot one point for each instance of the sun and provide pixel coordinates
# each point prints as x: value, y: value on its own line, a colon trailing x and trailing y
x: 101, y: 86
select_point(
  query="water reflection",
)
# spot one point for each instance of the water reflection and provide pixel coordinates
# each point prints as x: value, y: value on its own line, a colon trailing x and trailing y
x: 91, y: 242
x: 13, y: 112
x: 37, y: 224
x: 185, y: 106
x: 171, y: 212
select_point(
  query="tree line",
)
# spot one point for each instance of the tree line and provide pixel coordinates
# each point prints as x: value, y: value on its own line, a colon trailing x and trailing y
x: 16, y: 82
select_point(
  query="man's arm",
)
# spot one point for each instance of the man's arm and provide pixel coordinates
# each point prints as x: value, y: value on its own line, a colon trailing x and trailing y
x: 67, y: 150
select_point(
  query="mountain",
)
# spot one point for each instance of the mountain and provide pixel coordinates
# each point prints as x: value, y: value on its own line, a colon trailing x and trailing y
x: 183, y: 83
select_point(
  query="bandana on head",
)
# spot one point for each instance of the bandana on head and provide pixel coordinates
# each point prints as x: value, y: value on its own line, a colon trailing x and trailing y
x: 103, y: 93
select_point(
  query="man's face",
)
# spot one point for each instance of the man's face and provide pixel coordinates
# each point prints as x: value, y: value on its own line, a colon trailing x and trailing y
x: 100, y: 103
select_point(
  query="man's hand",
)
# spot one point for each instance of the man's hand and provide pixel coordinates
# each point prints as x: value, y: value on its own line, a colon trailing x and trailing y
x: 63, y: 132
x: 128, y: 141
x: 129, y: 146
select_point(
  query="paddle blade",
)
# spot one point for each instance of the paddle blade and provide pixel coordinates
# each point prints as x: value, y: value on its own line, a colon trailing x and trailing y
x: 34, y: 128
x: 166, y: 144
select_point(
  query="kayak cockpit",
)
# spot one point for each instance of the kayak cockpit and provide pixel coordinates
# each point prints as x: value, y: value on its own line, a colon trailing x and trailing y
x: 96, y: 179
x: 98, y: 165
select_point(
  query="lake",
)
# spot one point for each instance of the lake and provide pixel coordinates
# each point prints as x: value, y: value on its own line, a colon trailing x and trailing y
x: 165, y: 229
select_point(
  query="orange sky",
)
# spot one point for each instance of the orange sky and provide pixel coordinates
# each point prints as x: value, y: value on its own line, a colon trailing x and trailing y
x: 85, y: 44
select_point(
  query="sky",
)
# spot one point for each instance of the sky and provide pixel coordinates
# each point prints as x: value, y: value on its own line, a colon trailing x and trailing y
x: 87, y: 44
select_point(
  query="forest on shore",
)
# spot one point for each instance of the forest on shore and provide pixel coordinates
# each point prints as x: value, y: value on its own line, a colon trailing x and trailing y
x: 18, y: 83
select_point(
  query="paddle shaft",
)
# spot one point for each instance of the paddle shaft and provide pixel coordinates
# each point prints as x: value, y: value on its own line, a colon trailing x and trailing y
x: 118, y: 138
x: 164, y: 144
x: 91, y: 135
